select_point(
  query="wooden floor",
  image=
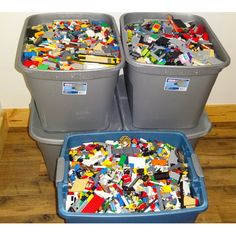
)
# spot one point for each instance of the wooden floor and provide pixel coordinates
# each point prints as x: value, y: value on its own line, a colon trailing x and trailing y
x: 26, y: 194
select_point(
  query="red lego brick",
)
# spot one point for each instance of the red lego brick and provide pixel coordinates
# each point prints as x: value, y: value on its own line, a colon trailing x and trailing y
x: 95, y: 203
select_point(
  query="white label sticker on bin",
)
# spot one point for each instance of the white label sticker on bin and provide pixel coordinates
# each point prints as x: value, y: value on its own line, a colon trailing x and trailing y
x: 176, y: 84
x: 74, y: 88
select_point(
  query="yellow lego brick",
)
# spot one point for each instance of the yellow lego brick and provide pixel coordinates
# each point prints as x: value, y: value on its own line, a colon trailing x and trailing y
x: 39, y: 59
x: 107, y: 163
x: 51, y: 46
x: 90, y: 197
x: 110, y: 40
x: 145, y: 171
x: 166, y: 189
x: 131, y: 206
x: 130, y: 34
x: 37, y: 27
x: 212, y: 53
x: 84, y: 25
x: 89, y: 173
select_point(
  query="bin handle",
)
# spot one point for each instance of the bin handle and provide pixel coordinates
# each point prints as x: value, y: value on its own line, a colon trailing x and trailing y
x: 196, y: 165
x: 60, y: 169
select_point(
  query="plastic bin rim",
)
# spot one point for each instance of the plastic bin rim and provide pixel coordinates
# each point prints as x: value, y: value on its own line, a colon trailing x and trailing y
x: 21, y: 68
x: 141, y: 65
x: 51, y: 141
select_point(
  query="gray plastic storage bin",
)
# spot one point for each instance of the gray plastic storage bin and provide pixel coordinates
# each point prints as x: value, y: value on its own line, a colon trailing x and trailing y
x: 151, y: 105
x: 65, y: 113
x: 50, y: 143
x: 194, y: 134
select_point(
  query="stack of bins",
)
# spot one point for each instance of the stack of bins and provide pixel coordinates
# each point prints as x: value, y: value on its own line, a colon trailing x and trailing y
x: 151, y: 106
x: 53, y: 114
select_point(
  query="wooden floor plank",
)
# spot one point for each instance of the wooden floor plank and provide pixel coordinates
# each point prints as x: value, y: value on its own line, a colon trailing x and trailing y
x: 18, y: 117
x: 35, y: 204
x: 43, y: 218
x: 223, y: 130
x: 3, y: 131
x: 212, y: 215
x: 217, y: 153
x: 220, y: 177
x: 222, y: 113
x: 20, y: 147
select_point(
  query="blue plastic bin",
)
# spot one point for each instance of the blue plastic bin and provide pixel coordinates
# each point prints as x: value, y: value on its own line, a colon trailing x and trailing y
x: 177, y: 139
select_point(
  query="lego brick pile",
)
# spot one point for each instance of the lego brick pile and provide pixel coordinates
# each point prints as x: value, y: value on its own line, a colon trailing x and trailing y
x: 128, y: 176
x: 71, y: 45
x: 170, y: 42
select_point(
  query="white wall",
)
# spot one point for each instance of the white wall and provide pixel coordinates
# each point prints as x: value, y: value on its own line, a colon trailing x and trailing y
x: 14, y: 94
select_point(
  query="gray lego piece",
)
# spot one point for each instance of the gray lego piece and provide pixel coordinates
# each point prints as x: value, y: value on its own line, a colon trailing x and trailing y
x: 128, y: 151
x: 106, y: 49
x: 65, y: 55
x: 83, y: 45
x: 109, y: 150
x: 174, y: 175
x: 48, y: 34
x: 76, y: 206
x: 160, y: 198
x: 136, y: 150
x: 135, y: 41
x: 117, y: 151
x: 167, y: 28
x: 173, y: 159
x: 96, y: 179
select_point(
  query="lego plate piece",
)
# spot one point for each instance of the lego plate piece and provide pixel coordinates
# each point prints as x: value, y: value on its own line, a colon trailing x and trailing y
x: 74, y: 88
x: 176, y: 84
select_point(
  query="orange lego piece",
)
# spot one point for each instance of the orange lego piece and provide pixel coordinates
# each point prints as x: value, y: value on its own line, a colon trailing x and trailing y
x: 156, y: 162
